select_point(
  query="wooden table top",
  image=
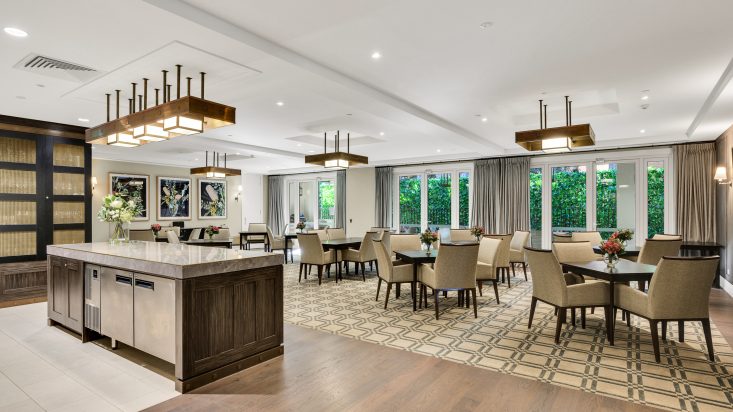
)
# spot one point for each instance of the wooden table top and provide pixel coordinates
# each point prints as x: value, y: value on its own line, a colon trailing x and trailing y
x: 630, y: 251
x: 207, y: 241
x: 625, y: 270
x: 417, y: 256
x: 342, y: 243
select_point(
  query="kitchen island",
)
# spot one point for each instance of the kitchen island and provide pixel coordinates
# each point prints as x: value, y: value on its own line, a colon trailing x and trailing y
x: 209, y: 311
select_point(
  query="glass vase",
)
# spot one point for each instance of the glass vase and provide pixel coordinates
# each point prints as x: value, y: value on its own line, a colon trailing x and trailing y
x: 427, y: 248
x: 119, y: 232
x: 611, y: 259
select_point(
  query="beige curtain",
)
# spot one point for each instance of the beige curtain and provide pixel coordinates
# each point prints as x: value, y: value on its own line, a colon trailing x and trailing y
x: 694, y: 166
x: 501, y: 194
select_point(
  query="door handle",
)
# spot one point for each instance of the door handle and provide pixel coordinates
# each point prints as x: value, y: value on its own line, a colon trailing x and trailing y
x: 123, y: 279
x: 146, y: 284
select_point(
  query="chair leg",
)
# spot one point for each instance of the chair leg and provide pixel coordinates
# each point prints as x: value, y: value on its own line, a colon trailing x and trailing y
x: 513, y: 273
x: 681, y: 328
x: 664, y: 330
x: 508, y: 279
x: 389, y: 289
x: 435, y: 294
x: 496, y: 291
x: 379, y: 285
x: 371, y: 266
x: 572, y: 316
x: 592, y: 310
x: 320, y: 274
x: 480, y: 284
x: 524, y: 268
x: 300, y: 273
x: 560, y: 320
x: 609, y: 320
x: 425, y: 288
x: 421, y: 290
x: 531, y: 312
x: 655, y: 339
x: 363, y: 275
x: 708, y: 338
x: 460, y: 299
x: 475, y: 305
x: 582, y: 317
x: 398, y: 290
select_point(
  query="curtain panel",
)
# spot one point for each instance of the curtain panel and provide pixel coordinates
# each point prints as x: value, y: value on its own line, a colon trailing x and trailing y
x: 501, y: 194
x: 383, y: 199
x: 276, y: 204
x: 694, y: 166
x: 341, y: 199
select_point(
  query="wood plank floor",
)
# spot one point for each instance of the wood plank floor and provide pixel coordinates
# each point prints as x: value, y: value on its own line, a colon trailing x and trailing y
x: 323, y: 372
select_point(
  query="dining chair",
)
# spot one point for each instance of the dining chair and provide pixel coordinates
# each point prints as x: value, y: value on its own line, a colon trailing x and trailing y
x: 322, y: 233
x: 654, y: 249
x: 336, y: 233
x: 679, y: 291
x: 312, y: 254
x: 460, y: 235
x: 560, y: 238
x: 403, y: 242
x: 172, y: 236
x: 278, y: 243
x: 454, y: 269
x: 549, y: 286
x: 224, y: 234
x: 502, y: 260
x: 667, y: 236
x: 516, y: 250
x: 593, y: 237
x: 486, y: 270
x: 380, y: 229
x: 143, y: 235
x: 360, y: 257
x: 387, y: 271
x: 195, y: 234
x: 567, y: 252
x: 256, y: 227
x: 163, y: 233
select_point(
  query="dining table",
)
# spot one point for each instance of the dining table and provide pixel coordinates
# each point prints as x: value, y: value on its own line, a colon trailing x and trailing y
x: 624, y: 271
x: 244, y: 236
x: 341, y: 244
x: 416, y: 258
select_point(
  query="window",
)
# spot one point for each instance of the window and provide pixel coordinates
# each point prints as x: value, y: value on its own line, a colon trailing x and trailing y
x: 464, y: 218
x: 568, y: 198
x: 410, y: 200
x: 535, y: 205
x: 326, y: 203
x: 615, y: 197
x: 655, y: 198
x: 439, y: 202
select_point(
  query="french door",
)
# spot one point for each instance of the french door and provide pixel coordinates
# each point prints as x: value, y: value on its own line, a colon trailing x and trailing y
x: 312, y: 202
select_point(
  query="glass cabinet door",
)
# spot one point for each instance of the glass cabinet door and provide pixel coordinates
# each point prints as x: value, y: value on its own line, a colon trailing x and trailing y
x: 18, y: 192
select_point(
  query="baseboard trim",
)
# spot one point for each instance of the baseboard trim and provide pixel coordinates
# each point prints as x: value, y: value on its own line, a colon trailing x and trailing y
x: 727, y: 286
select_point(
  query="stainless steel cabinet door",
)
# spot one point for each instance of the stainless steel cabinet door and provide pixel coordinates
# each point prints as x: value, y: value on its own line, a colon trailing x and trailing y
x: 117, y: 305
x: 155, y: 316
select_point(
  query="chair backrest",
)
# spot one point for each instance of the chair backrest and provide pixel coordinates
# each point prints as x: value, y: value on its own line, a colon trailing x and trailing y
x: 488, y: 250
x: 519, y: 240
x: 311, y: 248
x: 322, y: 233
x: 566, y: 252
x: 336, y: 233
x: 455, y: 266
x: 561, y: 238
x: 654, y: 249
x: 270, y: 237
x: 172, y: 236
x: 223, y: 234
x: 457, y: 235
x: 592, y: 237
x: 163, y: 233
x: 366, y: 249
x: 548, y: 281
x: 145, y: 235
x: 402, y: 242
x: 502, y: 259
x: 195, y: 234
x: 680, y: 287
x: 380, y: 229
x: 257, y: 227
x: 386, y: 238
x: 384, y: 261
x: 663, y: 236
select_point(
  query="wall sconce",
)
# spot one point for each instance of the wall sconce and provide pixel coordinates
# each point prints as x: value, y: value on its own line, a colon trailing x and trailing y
x: 239, y: 193
x: 94, y: 183
x: 721, y: 175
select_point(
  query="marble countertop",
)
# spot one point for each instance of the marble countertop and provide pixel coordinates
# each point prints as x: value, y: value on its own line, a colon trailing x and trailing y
x: 178, y: 261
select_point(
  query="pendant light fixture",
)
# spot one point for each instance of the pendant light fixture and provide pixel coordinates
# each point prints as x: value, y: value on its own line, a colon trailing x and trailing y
x: 215, y: 170
x: 556, y: 139
x: 170, y: 118
x: 336, y: 159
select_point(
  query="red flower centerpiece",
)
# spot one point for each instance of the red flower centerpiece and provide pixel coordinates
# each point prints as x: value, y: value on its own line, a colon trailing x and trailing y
x: 427, y: 238
x: 155, y: 228
x: 611, y: 248
x: 212, y: 230
x: 477, y: 231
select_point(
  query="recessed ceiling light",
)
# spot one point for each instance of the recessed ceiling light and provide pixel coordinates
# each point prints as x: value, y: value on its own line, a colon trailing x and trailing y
x: 376, y: 55
x: 280, y: 104
x: 486, y: 24
x: 311, y: 151
x: 438, y: 150
x: 196, y: 160
x: 642, y: 131
x: 237, y: 153
x: 645, y: 97
x: 483, y: 119
x: 381, y: 133
x: 15, y: 32
x: 300, y: 144
x: 81, y: 119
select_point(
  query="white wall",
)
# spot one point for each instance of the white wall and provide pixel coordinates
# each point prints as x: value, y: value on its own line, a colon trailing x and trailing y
x: 102, y: 168
x: 360, y: 192
x: 253, y: 199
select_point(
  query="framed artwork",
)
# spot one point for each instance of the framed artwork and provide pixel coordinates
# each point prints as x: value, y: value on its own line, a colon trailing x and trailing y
x: 132, y: 187
x: 212, y: 199
x: 174, y: 198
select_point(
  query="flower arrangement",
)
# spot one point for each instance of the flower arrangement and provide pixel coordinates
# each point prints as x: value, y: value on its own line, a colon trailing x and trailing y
x: 428, y: 237
x: 212, y: 230
x: 155, y: 227
x: 611, y: 249
x: 117, y: 211
x: 477, y: 231
x: 623, y: 235
x: 300, y: 226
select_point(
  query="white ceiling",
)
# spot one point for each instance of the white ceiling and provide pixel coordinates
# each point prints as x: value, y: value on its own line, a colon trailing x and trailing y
x: 439, y: 70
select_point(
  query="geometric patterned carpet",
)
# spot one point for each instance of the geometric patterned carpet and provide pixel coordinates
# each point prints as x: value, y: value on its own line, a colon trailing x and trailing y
x: 500, y: 341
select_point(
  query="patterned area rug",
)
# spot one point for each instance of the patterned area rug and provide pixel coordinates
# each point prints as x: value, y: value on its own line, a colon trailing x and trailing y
x: 500, y: 341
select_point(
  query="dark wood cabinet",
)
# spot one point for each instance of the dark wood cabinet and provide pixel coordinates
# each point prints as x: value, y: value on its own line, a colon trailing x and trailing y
x: 66, y: 293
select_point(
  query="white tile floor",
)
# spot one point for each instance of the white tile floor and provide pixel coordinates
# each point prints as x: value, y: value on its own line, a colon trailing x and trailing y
x: 44, y: 368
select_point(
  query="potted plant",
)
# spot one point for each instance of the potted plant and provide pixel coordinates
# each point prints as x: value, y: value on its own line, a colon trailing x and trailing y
x: 118, y: 213
x: 155, y: 227
x: 212, y: 230
x: 611, y: 248
x: 477, y: 231
x: 300, y: 226
x: 427, y: 238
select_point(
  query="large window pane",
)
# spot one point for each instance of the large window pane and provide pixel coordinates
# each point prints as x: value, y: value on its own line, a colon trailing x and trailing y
x: 326, y: 203
x: 535, y: 206
x: 655, y: 198
x: 615, y: 198
x: 463, y: 194
x: 307, y: 194
x: 439, y: 202
x: 410, y: 192
x: 568, y: 198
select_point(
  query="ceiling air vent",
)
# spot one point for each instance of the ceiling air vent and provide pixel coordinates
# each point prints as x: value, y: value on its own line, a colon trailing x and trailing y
x: 60, y: 69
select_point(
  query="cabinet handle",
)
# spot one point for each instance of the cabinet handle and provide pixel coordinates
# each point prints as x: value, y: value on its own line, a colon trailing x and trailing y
x: 145, y: 284
x: 123, y: 279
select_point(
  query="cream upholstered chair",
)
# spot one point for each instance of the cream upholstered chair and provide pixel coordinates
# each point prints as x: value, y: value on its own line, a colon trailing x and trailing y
x: 559, y: 238
x: 387, y: 271
x: 278, y: 243
x: 548, y: 286
x: 502, y: 259
x: 455, y: 269
x: 567, y: 252
x: 336, y: 233
x: 312, y: 254
x: 322, y: 233
x: 362, y: 256
x: 679, y: 290
x: 163, y: 233
x: 253, y: 239
x: 461, y: 235
x: 403, y: 242
x: 172, y: 236
x: 667, y: 236
x: 486, y: 269
x: 654, y: 249
x: 516, y: 250
x: 144, y: 235
x: 593, y: 237
x: 224, y: 234
x: 380, y: 229
x: 195, y: 234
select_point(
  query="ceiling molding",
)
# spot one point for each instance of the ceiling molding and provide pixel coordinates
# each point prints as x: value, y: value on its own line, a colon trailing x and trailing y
x: 251, y: 39
x: 719, y: 87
